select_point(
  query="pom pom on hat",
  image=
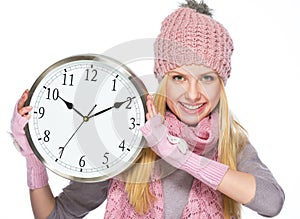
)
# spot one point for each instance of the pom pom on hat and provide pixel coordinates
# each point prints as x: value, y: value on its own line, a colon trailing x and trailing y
x: 188, y: 36
x: 199, y: 7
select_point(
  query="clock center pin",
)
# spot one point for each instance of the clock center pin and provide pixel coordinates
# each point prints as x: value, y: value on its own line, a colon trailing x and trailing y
x: 85, y: 118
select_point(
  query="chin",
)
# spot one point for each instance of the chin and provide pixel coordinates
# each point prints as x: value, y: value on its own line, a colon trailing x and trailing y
x: 195, y: 118
x: 191, y: 120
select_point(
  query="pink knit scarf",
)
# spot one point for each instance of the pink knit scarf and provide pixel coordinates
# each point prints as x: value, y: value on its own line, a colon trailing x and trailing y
x: 203, y: 202
x: 202, y: 139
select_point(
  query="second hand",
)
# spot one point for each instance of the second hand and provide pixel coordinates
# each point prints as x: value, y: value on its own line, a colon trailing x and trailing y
x: 85, y: 119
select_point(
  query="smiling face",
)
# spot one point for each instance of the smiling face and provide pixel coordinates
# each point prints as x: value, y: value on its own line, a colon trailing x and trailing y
x: 192, y: 92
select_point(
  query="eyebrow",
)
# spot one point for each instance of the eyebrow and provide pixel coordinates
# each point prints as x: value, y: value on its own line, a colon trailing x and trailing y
x: 187, y: 73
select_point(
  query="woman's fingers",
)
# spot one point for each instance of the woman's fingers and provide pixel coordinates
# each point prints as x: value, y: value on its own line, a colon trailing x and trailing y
x: 22, y: 100
x: 151, y: 108
x: 23, y: 111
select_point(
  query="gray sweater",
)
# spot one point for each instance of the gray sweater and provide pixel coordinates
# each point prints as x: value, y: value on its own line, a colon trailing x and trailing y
x: 77, y: 199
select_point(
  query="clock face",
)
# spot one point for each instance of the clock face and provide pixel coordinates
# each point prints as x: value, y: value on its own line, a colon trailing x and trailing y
x: 86, y: 116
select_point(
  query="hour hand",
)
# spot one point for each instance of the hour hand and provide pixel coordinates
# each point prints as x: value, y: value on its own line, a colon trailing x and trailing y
x: 70, y: 106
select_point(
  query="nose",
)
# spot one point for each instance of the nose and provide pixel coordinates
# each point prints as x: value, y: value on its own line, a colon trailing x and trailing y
x: 194, y: 91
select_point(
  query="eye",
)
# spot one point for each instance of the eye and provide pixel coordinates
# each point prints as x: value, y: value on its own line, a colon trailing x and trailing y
x: 178, y: 78
x: 208, y: 77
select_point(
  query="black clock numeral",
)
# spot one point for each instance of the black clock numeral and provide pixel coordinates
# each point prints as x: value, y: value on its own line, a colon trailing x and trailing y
x: 69, y: 79
x: 129, y: 99
x: 82, y: 161
x: 133, y: 124
x: 46, y: 137
x: 91, y: 76
x: 52, y: 94
x: 61, y: 151
x: 105, y: 159
x: 114, y: 83
x: 122, y: 146
x: 41, y: 112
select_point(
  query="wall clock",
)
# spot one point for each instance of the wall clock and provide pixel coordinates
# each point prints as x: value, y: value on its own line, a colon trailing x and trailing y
x: 86, y: 116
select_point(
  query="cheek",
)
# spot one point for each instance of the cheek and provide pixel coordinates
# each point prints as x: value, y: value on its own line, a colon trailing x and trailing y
x: 173, y: 93
x: 213, y: 94
x: 170, y: 97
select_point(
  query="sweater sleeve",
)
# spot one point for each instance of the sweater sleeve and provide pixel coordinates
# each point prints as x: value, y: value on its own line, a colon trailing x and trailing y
x: 78, y: 199
x: 269, y: 196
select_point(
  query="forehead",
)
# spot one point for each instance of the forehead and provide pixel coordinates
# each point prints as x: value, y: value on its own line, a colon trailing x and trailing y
x: 193, y: 69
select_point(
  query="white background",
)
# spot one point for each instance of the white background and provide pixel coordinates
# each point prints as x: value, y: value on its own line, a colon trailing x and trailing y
x: 263, y: 89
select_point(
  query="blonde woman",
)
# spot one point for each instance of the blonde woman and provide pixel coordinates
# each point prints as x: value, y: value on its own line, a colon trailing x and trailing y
x: 199, y: 163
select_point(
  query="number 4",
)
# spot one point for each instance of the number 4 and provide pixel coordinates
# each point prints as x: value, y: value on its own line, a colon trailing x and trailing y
x: 122, y: 146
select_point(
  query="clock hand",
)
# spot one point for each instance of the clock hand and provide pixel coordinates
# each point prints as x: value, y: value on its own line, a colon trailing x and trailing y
x: 73, y: 134
x: 116, y: 105
x: 85, y: 119
x: 70, y: 106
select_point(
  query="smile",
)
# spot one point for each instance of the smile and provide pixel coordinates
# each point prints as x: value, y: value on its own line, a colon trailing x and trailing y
x: 192, y: 107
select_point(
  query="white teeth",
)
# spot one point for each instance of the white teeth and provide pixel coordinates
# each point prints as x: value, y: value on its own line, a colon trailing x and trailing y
x: 192, y: 107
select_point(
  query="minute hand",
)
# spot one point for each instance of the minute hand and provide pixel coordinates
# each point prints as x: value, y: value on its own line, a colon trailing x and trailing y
x: 116, y: 105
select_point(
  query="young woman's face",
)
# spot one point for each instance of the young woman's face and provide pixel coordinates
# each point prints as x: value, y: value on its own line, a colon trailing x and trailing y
x: 192, y: 92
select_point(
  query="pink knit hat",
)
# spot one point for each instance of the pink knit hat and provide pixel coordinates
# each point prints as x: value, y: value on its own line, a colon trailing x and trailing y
x: 189, y: 37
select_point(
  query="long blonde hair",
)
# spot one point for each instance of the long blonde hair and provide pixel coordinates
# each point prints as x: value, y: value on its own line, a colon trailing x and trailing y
x: 232, y: 138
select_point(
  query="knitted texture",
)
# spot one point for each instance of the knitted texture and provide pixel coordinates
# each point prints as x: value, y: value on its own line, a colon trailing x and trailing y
x: 202, y: 139
x: 204, y: 169
x: 37, y: 176
x: 203, y: 202
x: 118, y: 205
x: 189, y: 37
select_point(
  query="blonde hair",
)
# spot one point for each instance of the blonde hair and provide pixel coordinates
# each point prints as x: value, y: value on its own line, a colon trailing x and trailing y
x: 232, y: 138
x: 139, y: 176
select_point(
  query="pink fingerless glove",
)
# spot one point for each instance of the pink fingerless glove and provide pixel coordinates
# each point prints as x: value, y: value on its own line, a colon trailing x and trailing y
x: 36, y: 172
x: 206, y: 170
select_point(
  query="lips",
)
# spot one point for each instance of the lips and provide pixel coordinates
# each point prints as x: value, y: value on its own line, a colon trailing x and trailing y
x: 192, y: 107
x: 191, y: 113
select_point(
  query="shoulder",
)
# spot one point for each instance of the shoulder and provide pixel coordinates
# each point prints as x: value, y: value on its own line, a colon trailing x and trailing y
x: 248, y: 159
x: 248, y: 151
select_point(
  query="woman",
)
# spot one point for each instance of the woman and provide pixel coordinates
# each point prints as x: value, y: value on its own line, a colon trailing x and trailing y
x: 199, y: 163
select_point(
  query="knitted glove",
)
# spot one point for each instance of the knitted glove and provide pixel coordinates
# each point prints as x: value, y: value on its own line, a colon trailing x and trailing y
x: 36, y: 172
x: 173, y: 151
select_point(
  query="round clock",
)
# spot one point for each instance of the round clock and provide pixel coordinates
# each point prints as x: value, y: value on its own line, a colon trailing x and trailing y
x: 86, y: 116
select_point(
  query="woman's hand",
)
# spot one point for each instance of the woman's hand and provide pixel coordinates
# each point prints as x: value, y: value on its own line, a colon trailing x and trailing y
x: 152, y: 112
x: 36, y: 172
x: 22, y: 110
x: 156, y: 134
x: 19, y: 120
